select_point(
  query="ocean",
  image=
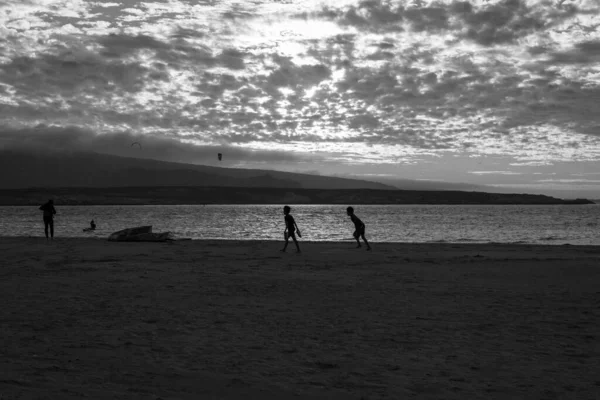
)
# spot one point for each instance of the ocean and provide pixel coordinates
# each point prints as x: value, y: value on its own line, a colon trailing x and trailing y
x: 526, y: 224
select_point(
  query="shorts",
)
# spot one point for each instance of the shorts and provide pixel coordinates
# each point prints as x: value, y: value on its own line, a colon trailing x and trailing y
x: 358, y: 232
x: 48, y: 221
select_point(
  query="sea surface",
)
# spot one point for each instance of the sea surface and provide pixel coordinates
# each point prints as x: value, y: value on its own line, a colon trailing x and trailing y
x: 547, y: 224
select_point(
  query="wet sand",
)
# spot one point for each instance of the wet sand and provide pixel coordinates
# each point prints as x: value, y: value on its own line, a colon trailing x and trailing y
x: 88, y: 318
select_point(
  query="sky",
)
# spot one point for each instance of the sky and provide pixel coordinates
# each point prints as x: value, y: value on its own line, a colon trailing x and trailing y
x: 500, y: 93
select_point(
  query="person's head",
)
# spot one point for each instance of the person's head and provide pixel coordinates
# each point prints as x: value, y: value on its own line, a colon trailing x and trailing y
x: 286, y: 210
x: 50, y: 201
x: 349, y: 210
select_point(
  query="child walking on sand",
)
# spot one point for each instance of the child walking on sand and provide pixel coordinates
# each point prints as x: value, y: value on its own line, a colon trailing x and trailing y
x: 359, y: 226
x: 290, y: 229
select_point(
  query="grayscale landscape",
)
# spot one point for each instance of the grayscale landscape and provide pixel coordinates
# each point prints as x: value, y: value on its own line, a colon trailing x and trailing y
x: 299, y: 199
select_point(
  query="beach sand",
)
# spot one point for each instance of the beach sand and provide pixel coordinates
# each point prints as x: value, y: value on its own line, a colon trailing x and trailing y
x: 85, y: 318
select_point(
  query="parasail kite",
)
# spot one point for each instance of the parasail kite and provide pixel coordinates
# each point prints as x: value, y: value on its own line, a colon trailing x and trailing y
x: 220, y: 156
x: 138, y: 143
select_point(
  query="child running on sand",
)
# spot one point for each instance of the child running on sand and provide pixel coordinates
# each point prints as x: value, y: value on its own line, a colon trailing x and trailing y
x: 290, y: 229
x: 359, y: 226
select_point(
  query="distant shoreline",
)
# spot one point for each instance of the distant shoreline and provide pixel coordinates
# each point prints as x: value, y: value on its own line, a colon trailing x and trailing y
x: 257, y: 242
x: 223, y: 195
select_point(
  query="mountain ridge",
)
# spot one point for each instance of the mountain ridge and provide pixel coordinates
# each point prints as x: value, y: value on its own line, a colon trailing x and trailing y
x: 189, y: 195
x: 89, y: 169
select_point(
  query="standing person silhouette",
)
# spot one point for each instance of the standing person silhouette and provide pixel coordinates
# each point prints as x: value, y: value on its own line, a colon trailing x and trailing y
x: 290, y: 229
x: 359, y: 226
x: 49, y: 212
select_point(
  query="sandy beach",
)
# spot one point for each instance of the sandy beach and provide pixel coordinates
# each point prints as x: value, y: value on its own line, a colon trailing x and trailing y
x: 88, y: 318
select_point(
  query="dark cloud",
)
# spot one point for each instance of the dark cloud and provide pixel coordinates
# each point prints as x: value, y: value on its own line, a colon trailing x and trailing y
x: 188, y: 33
x: 367, y: 15
x: 232, y: 59
x: 336, y: 51
x: 385, y: 45
x: 364, y: 121
x: 550, y: 98
x: 380, y: 55
x: 412, y: 95
x: 289, y: 74
x: 463, y: 89
x: 68, y: 83
x: 74, y: 139
x: 500, y: 23
x: 239, y: 11
x: 427, y: 18
x: 214, y: 85
x: 583, y: 53
x: 118, y: 46
x: 177, y: 53
x: 74, y: 72
x: 488, y: 25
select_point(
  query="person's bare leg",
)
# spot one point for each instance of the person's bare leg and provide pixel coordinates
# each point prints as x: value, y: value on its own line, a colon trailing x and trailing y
x: 297, y: 245
x: 367, y: 243
x: 52, y: 230
x: 285, y: 246
x: 356, y: 236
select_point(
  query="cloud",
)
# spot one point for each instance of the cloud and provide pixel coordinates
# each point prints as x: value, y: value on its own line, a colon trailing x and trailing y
x: 121, y: 45
x: 582, y: 53
x: 509, y: 20
x: 373, y: 78
x: 495, y: 173
x: 531, y: 164
x: 571, y: 181
x: 288, y: 74
x: 73, y: 139
x: 486, y: 23
x: 72, y: 72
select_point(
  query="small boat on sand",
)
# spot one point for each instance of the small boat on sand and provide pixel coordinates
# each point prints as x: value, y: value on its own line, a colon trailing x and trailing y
x: 139, y: 234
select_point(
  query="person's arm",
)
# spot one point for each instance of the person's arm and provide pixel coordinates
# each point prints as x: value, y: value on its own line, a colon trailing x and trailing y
x: 53, y: 210
x: 294, y: 223
x: 360, y: 223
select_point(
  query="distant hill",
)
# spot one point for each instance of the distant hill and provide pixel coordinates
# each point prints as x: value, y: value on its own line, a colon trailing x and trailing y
x: 238, y: 195
x: 81, y: 170
x: 415, y: 184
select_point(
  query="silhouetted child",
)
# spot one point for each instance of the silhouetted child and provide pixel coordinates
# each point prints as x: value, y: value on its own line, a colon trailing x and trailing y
x: 290, y: 229
x: 49, y: 212
x: 360, y: 228
x: 92, y: 225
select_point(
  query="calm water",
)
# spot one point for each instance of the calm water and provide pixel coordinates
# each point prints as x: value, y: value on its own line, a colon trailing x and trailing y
x: 388, y: 223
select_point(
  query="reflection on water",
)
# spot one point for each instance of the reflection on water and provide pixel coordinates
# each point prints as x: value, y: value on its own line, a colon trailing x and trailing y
x: 556, y: 224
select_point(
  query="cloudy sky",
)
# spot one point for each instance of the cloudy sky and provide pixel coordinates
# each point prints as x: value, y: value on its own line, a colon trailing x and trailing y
x: 503, y: 93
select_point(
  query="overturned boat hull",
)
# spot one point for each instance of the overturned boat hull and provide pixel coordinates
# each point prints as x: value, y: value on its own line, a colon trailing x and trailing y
x: 139, y: 234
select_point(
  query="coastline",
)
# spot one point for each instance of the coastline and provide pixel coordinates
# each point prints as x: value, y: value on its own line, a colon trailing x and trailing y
x: 237, y: 319
x: 223, y: 195
x: 347, y: 243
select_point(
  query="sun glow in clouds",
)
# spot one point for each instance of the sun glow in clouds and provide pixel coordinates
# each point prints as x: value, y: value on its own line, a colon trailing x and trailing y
x: 363, y: 81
